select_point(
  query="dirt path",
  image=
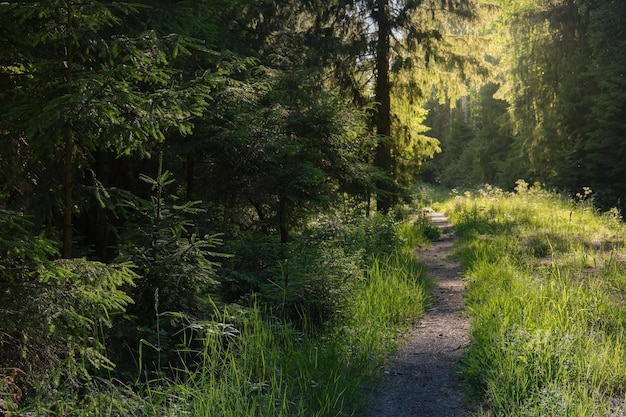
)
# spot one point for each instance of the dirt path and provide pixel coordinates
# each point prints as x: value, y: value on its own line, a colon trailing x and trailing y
x: 423, y: 381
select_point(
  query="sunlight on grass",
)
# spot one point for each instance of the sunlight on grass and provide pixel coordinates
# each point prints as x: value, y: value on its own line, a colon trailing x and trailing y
x: 252, y: 361
x: 274, y: 370
x: 247, y: 361
x: 546, y: 299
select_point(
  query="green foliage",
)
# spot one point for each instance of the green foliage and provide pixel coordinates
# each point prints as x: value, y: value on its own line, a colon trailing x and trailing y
x: 460, y: 146
x: 601, y: 153
x: 311, y: 285
x: 390, y: 66
x: 90, y: 93
x: 308, y: 279
x: 55, y: 313
x: 86, y: 83
x: 254, y: 363
x: 557, y: 114
x: 176, y: 269
x: 418, y: 232
x: 279, y: 152
x: 552, y: 108
x: 119, y: 91
x: 376, y: 235
x: 475, y: 141
x: 395, y: 291
x: 246, y: 360
x: 169, y: 256
x: 547, y: 337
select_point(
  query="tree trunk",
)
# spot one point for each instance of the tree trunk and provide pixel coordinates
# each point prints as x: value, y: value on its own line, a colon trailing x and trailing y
x: 68, y: 201
x: 383, y: 158
x: 68, y: 159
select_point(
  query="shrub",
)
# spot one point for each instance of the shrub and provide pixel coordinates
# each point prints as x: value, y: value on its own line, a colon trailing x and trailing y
x: 54, y: 312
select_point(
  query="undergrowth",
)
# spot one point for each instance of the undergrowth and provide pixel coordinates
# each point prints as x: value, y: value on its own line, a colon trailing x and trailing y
x: 255, y: 360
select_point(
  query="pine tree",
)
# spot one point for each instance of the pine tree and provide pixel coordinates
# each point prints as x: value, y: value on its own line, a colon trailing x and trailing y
x: 383, y: 49
x: 85, y: 82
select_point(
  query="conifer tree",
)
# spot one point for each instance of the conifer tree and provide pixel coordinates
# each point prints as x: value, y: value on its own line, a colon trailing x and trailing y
x: 82, y: 81
x: 384, y: 48
x: 566, y: 94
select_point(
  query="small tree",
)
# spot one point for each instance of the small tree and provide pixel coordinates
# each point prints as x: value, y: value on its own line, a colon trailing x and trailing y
x: 175, y: 264
x: 54, y: 313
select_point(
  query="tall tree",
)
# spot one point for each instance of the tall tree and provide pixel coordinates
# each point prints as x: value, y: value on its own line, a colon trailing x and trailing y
x: 84, y: 85
x: 601, y: 153
x: 563, y: 78
x: 544, y: 56
x: 382, y: 96
x: 375, y: 41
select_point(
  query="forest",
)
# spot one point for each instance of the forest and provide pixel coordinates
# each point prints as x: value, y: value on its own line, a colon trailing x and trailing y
x: 213, y: 203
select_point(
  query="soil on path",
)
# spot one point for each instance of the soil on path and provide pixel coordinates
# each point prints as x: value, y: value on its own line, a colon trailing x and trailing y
x: 423, y: 380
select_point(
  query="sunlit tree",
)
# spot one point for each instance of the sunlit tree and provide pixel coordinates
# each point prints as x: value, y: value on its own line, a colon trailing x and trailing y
x: 385, y: 55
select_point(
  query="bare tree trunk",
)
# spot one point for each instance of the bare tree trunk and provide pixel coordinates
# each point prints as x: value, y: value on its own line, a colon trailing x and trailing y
x: 382, y: 90
x: 68, y: 160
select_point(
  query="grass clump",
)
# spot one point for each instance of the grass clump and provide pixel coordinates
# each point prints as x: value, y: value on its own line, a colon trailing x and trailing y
x: 390, y: 298
x: 270, y: 368
x: 546, y: 299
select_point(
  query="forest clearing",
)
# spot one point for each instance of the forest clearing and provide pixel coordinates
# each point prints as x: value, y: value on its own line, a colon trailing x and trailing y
x: 221, y: 207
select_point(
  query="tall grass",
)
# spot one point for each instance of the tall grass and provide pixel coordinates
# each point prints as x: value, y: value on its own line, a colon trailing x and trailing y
x: 394, y: 294
x: 270, y: 369
x: 248, y: 362
x: 546, y: 296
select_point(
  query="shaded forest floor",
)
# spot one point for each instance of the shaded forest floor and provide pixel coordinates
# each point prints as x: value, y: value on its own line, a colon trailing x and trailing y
x: 423, y: 377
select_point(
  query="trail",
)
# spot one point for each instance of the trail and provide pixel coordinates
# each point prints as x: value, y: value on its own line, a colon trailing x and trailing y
x: 423, y: 380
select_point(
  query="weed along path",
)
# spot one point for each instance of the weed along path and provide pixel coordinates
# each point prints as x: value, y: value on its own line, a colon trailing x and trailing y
x: 423, y: 380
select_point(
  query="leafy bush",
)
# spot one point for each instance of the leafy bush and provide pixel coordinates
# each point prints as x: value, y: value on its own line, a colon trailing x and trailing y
x: 303, y: 281
x: 376, y: 235
x: 308, y: 278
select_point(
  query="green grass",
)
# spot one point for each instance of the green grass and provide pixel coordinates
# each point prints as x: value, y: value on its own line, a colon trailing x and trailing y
x: 273, y: 370
x: 270, y: 369
x: 546, y: 299
x: 248, y: 362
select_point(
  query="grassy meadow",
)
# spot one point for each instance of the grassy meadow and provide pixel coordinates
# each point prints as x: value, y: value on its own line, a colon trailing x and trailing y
x: 546, y: 300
